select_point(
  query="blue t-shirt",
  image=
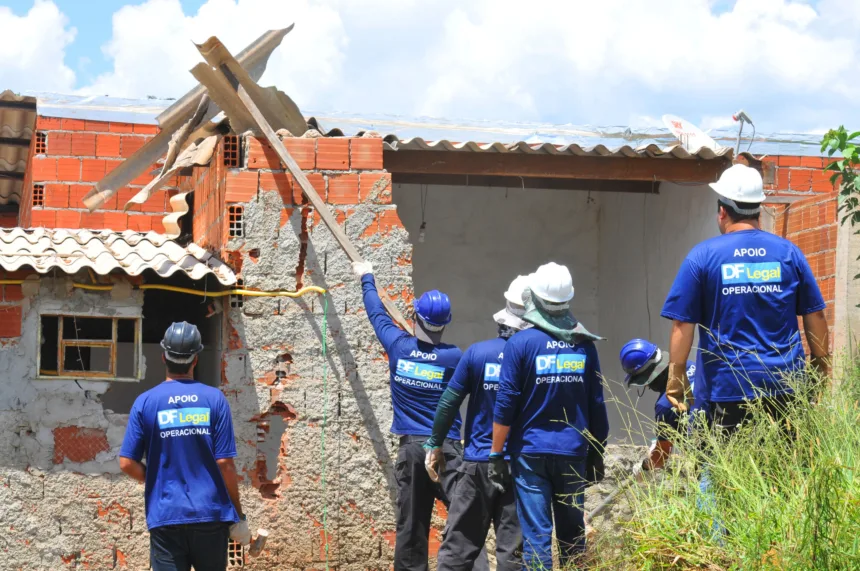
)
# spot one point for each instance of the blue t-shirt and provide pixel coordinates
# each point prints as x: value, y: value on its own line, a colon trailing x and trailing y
x: 182, y: 428
x: 745, y: 290
x: 550, y: 394
x: 478, y: 376
x: 664, y: 413
x: 419, y: 371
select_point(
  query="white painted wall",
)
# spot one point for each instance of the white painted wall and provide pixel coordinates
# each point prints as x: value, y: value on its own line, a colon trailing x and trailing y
x: 617, y: 246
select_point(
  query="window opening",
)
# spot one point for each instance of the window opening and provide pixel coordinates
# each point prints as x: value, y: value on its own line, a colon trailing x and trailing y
x: 90, y: 347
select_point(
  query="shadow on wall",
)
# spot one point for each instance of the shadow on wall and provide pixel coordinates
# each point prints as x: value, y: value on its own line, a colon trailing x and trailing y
x: 622, y: 249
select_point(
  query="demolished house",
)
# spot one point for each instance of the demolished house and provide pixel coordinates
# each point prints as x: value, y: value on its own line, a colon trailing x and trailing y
x: 121, y: 217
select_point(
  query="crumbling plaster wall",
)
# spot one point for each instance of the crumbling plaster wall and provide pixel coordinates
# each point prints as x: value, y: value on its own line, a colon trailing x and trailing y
x: 62, y: 501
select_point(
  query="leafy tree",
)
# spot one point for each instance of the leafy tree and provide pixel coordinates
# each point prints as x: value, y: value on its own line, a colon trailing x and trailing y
x: 845, y: 171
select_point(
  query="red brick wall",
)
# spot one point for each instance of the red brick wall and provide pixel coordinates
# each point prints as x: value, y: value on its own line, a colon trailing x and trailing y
x: 79, y: 154
x: 10, y: 306
x: 812, y: 224
x: 798, y: 175
x: 209, y: 211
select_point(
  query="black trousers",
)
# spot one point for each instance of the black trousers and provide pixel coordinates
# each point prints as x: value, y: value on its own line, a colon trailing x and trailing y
x: 475, y: 505
x: 416, y: 494
x: 728, y: 416
x: 181, y: 547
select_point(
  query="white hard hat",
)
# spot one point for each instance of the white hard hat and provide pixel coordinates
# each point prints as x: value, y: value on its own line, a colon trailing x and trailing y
x: 552, y: 282
x: 740, y: 183
x: 515, y: 290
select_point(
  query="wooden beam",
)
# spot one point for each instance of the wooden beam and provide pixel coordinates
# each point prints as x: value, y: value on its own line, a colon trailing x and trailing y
x: 554, y: 166
x: 592, y: 185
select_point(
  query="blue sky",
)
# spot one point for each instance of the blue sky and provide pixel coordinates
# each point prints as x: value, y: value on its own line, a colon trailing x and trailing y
x: 791, y: 64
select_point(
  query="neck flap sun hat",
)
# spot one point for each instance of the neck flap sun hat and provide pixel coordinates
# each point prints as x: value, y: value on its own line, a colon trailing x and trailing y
x: 740, y: 183
x: 512, y: 315
x: 547, y: 303
x: 432, y: 314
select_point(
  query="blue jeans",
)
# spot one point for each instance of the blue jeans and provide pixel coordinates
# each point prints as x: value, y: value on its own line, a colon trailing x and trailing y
x: 178, y: 547
x: 547, y: 487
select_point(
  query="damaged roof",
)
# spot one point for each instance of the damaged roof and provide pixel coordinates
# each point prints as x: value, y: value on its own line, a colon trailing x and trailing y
x: 17, y: 120
x: 71, y: 251
x: 419, y: 133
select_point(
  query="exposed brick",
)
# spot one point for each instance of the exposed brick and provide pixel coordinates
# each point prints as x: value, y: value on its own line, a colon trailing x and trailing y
x: 800, y: 179
x: 303, y: 151
x: 43, y: 219
x: 12, y: 293
x: 44, y: 169
x: 372, y: 189
x: 116, y: 221
x: 56, y: 196
x: 121, y: 128
x: 139, y: 222
x: 141, y: 129
x: 789, y: 161
x: 333, y: 154
x: 97, y: 126
x: 317, y: 181
x: 83, y: 144
x: 69, y: 170
x: 93, y: 170
x: 10, y: 321
x: 48, y: 123
x: 283, y: 183
x: 130, y: 145
x: 93, y: 220
x: 241, y: 186
x: 74, y: 125
x: 68, y: 219
x: 365, y: 154
x: 107, y: 145
x: 77, y: 192
x: 157, y: 224
x: 388, y: 220
x: 78, y: 444
x: 59, y: 144
x: 146, y: 177
x: 813, y: 162
x: 8, y: 220
x: 821, y: 181
x: 343, y: 189
x: 261, y: 155
x: 111, y: 164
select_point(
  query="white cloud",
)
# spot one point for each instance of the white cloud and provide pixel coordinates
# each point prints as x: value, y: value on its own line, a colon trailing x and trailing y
x: 34, y: 49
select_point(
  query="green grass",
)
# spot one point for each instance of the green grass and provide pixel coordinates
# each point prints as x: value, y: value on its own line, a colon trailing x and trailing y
x: 786, y: 494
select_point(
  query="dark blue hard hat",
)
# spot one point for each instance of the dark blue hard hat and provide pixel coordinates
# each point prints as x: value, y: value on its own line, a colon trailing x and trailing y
x: 636, y: 356
x: 434, y: 308
x: 181, y: 342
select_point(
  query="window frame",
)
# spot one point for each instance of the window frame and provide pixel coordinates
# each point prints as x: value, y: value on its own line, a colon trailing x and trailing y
x: 112, y: 344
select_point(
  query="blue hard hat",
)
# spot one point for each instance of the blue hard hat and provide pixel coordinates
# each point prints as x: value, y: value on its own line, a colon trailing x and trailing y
x: 636, y: 355
x: 434, y: 308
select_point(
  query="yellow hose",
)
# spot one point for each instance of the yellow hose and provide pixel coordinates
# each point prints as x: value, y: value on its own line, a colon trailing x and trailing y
x: 244, y: 292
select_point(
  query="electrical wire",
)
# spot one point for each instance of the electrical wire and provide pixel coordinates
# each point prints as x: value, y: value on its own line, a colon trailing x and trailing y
x: 240, y: 291
x: 751, y: 138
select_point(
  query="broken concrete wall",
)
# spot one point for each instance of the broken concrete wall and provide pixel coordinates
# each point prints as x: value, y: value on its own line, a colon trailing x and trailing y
x: 62, y: 502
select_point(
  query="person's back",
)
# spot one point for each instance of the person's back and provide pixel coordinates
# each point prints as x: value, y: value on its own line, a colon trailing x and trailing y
x: 485, y: 364
x: 753, y: 285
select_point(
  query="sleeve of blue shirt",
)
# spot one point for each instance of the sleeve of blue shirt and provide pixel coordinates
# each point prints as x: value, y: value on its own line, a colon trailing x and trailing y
x: 598, y: 419
x: 684, y: 302
x: 386, y: 331
x: 133, y: 443
x: 461, y: 381
x: 511, y: 380
x: 225, y: 442
x: 809, y: 299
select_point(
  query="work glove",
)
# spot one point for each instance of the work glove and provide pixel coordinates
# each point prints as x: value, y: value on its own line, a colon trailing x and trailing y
x: 499, y: 473
x: 594, y: 468
x: 639, y: 470
x: 361, y: 269
x: 434, y: 462
x: 678, y: 387
x: 240, y: 532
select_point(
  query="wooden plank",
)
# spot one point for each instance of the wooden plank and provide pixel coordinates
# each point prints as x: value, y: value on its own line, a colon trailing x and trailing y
x: 554, y: 166
x: 595, y: 185
x: 314, y: 199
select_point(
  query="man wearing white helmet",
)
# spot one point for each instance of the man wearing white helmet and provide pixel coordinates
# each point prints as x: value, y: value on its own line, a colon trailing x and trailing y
x: 551, y: 412
x: 745, y: 289
x: 476, y: 503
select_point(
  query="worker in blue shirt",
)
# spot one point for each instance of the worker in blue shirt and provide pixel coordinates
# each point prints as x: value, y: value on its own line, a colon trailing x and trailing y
x: 744, y: 289
x: 421, y: 367
x: 476, y: 504
x: 184, y: 430
x: 551, y: 412
x: 647, y: 366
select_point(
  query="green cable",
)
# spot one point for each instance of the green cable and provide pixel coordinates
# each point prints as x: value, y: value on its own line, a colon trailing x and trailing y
x: 324, y: 423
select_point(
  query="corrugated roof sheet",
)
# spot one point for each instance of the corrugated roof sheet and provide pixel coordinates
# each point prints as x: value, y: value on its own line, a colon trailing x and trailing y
x: 427, y: 129
x: 131, y: 252
x: 17, y: 121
